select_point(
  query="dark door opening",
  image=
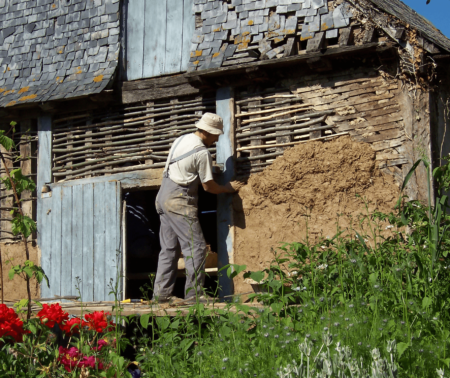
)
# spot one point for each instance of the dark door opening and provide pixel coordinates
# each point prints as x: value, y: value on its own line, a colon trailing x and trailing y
x: 143, y: 247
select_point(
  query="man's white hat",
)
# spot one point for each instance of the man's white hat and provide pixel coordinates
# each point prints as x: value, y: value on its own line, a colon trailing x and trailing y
x: 212, y: 123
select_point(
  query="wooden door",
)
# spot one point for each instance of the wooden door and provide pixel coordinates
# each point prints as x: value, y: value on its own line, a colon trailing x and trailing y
x: 80, y: 240
x: 158, y: 37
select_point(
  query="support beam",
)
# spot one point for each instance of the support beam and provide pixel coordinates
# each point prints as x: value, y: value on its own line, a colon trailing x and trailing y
x: 44, y: 176
x: 225, y: 151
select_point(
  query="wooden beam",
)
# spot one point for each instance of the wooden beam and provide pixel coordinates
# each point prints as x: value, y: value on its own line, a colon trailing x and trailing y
x: 225, y: 153
x: 145, y: 179
x: 291, y: 60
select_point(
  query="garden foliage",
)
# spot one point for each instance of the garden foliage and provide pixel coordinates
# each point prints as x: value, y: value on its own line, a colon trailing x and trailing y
x: 373, y: 301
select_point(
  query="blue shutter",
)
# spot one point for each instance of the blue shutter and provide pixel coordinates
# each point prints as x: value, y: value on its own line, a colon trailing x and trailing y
x: 80, y: 237
x: 158, y: 37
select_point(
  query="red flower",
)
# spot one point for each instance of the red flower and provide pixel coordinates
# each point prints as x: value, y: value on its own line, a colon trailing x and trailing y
x: 10, y: 324
x: 101, y: 343
x: 50, y: 315
x: 97, y: 321
x: 72, y: 359
x: 73, y: 326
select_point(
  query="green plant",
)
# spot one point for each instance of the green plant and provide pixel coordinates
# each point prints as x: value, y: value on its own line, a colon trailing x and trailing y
x: 21, y: 223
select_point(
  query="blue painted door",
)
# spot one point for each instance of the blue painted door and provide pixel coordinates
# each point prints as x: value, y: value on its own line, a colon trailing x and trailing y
x: 158, y: 37
x: 80, y: 240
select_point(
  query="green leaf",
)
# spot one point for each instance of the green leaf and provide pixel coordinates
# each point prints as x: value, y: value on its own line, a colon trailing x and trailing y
x: 361, y: 239
x: 401, y: 348
x: 163, y: 323
x: 6, y: 142
x: 446, y: 362
x: 144, y: 320
x: 23, y: 225
x: 257, y: 276
x: 426, y: 302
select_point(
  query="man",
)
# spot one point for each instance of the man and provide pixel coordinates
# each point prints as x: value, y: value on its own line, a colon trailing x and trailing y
x: 189, y: 164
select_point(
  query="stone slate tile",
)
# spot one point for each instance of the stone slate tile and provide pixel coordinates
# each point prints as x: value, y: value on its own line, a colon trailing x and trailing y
x: 326, y: 22
x: 333, y: 33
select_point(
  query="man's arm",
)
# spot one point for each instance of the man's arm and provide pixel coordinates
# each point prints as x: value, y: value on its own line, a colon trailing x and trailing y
x: 214, y: 188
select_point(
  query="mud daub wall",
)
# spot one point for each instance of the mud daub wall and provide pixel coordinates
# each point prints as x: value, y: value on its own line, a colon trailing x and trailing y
x: 320, y: 178
x: 14, y: 254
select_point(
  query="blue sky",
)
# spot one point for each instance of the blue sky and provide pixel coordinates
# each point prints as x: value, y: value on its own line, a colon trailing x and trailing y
x: 438, y: 12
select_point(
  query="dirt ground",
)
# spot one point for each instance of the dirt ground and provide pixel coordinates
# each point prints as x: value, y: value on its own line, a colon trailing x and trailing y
x: 319, y: 179
x: 14, y: 254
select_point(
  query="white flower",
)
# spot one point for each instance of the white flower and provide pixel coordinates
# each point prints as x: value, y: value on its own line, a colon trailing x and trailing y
x: 388, y: 227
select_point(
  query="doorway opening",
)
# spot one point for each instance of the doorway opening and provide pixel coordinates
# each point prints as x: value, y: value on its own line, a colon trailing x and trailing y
x: 143, y: 246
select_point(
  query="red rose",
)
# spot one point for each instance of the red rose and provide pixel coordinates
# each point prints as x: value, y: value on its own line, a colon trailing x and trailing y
x: 10, y: 324
x: 97, y: 321
x: 73, y: 326
x: 50, y: 315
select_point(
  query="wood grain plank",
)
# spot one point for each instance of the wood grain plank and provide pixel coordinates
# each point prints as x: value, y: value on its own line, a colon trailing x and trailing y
x: 225, y: 152
x: 135, y: 39
x: 373, y: 122
x: 99, y: 241
x: 188, y: 32
x: 44, y: 227
x: 44, y: 175
x: 155, y: 37
x: 384, y: 135
x: 66, y: 241
x: 77, y: 236
x: 54, y: 273
x: 174, y: 36
x: 112, y: 237
x: 87, y: 284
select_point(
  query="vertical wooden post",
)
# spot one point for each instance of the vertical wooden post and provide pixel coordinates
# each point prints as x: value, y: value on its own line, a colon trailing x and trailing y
x: 225, y: 153
x: 44, y: 176
x: 8, y: 201
x: 285, y: 138
x: 27, y: 153
x: 255, y: 142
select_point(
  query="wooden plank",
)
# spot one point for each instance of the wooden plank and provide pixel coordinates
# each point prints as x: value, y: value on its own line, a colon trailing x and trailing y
x: 66, y: 241
x: 25, y: 165
x: 77, y: 236
x: 87, y: 285
x: 356, y: 101
x: 8, y: 202
x: 373, y: 122
x: 384, y: 135
x: 378, y: 128
x: 174, y: 36
x: 145, y: 179
x: 282, y: 62
x: 155, y: 37
x: 135, y: 39
x: 44, y: 232
x: 54, y: 273
x: 380, y: 146
x: 188, y: 32
x: 112, y: 237
x: 368, y: 114
x: 99, y: 241
x: 225, y: 152
x: 44, y: 205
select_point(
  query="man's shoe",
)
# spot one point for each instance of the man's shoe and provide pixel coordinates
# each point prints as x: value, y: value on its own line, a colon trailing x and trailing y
x: 167, y: 300
x: 201, y: 299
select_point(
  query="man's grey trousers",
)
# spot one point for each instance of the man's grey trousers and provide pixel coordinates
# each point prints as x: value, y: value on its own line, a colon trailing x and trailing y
x: 177, y: 208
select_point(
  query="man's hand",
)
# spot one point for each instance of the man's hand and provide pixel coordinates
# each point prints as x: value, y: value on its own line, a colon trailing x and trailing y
x: 236, y: 185
x: 230, y: 187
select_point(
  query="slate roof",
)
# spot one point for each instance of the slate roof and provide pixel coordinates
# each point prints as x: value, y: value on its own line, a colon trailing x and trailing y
x: 242, y: 31
x: 405, y: 13
x: 54, y: 49
x: 232, y: 30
